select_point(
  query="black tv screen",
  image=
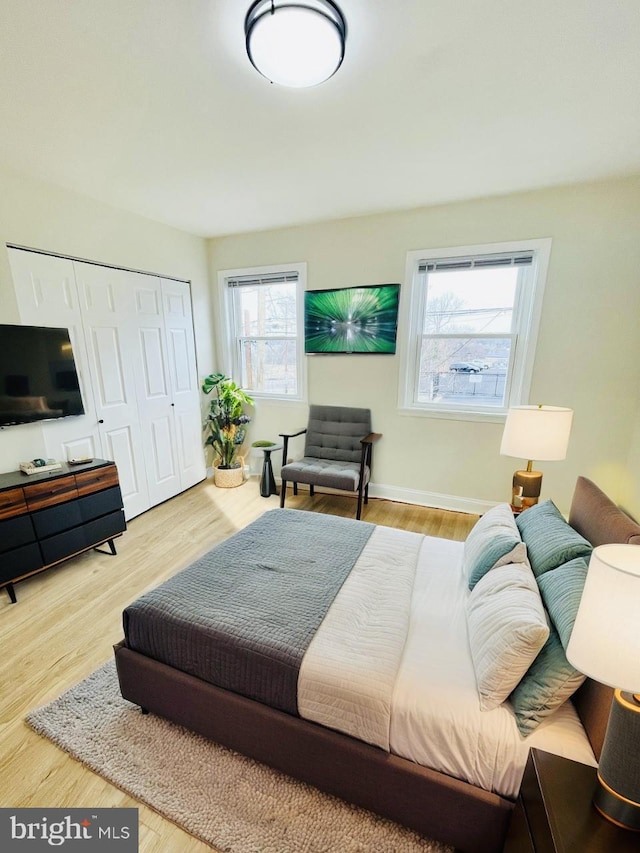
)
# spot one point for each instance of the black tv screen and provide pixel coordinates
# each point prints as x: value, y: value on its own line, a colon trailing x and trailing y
x: 38, y: 376
x: 352, y: 319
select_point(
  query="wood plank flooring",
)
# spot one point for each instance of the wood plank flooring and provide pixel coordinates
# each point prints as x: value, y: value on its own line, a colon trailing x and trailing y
x: 67, y: 620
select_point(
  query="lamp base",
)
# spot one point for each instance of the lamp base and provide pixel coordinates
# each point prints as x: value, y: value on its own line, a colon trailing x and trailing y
x: 526, y: 489
x: 617, y: 796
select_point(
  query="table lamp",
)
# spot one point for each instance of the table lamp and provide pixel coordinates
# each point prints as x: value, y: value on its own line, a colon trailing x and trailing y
x: 605, y: 645
x: 534, y: 432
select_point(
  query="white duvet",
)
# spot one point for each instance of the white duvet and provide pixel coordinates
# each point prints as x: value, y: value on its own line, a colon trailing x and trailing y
x: 391, y: 665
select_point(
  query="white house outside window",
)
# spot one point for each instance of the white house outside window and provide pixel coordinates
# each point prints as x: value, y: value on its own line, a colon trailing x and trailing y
x: 472, y: 318
x: 264, y: 311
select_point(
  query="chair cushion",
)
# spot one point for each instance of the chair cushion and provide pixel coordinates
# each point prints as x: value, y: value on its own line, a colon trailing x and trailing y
x: 325, y: 472
x: 335, y: 433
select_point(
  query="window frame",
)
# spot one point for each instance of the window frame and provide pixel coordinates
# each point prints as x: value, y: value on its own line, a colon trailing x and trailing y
x: 527, y: 313
x: 232, y: 358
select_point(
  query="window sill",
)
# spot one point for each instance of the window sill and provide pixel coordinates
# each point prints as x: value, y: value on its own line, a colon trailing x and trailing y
x: 481, y: 416
x: 272, y: 398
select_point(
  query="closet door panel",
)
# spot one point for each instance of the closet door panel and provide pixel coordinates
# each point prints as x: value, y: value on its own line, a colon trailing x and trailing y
x: 155, y: 377
x: 153, y: 389
x: 110, y: 387
x: 176, y: 297
x: 46, y: 292
x: 120, y: 445
x: 106, y: 307
x: 162, y: 445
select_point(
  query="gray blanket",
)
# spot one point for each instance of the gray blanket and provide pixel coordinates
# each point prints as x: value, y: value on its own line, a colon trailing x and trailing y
x: 242, y: 616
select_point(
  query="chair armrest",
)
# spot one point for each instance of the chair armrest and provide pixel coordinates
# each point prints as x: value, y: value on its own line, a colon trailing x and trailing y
x: 292, y: 434
x: 285, y: 436
x: 371, y: 438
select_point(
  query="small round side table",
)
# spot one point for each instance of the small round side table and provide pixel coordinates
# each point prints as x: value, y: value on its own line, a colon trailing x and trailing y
x: 267, y: 481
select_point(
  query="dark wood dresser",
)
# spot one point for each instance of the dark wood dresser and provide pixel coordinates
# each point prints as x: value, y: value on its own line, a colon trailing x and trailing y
x: 47, y: 518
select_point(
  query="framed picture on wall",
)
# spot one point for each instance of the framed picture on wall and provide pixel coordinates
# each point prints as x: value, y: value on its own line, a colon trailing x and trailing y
x: 351, y: 320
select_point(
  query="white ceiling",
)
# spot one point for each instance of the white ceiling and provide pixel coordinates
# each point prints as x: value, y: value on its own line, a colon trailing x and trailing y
x: 153, y: 106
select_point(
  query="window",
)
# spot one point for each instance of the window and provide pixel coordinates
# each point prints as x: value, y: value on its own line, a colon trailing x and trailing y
x: 472, y: 316
x: 264, y: 311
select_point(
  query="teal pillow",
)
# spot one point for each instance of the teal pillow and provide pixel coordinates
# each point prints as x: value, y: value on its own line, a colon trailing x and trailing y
x: 561, y: 592
x: 549, y: 539
x: 493, y: 541
x: 547, y: 684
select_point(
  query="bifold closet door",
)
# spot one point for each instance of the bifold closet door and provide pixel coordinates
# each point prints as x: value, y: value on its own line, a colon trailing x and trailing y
x: 106, y: 304
x: 153, y: 388
x: 177, y: 311
x: 133, y: 341
x: 47, y: 295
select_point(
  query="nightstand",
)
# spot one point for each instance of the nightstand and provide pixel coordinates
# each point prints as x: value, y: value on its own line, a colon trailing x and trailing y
x: 554, y: 812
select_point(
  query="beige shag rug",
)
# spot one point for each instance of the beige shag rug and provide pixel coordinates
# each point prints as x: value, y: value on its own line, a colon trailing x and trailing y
x: 216, y: 795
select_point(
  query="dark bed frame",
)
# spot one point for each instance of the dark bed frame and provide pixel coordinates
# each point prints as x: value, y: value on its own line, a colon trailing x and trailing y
x: 434, y: 804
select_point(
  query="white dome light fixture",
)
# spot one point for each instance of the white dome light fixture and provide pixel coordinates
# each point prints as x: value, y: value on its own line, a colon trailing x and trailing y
x: 295, y: 44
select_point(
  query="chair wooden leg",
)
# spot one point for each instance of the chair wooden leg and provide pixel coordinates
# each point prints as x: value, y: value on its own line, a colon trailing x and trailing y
x: 295, y: 488
x: 283, y: 491
x: 359, y: 510
x: 312, y: 489
x: 366, y: 494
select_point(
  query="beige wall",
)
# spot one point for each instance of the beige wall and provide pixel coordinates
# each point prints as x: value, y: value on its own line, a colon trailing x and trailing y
x: 41, y: 216
x: 588, y: 355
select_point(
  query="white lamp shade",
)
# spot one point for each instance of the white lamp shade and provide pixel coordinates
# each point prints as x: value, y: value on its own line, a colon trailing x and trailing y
x: 537, y: 432
x: 605, y: 642
x: 296, y: 45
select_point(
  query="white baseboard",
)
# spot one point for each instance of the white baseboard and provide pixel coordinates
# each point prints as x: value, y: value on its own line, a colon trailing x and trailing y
x: 454, y: 503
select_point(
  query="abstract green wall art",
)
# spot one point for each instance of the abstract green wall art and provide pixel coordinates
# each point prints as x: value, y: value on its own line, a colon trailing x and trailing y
x: 352, y: 319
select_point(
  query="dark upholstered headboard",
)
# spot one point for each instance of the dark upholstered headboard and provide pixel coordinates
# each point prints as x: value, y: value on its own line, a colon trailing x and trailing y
x: 598, y: 519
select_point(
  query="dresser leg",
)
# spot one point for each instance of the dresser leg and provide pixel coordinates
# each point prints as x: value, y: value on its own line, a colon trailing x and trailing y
x: 112, y: 549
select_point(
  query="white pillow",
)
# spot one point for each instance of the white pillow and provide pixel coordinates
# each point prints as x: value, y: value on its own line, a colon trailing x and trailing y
x: 507, y: 628
x: 493, y: 541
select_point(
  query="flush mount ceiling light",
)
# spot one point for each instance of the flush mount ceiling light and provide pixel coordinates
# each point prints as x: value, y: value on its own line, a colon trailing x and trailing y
x: 295, y: 44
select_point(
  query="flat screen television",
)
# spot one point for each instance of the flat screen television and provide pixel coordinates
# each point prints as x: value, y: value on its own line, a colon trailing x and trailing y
x: 38, y: 376
x: 352, y: 319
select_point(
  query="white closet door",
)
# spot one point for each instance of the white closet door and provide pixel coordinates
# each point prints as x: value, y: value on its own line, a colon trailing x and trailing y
x: 132, y: 338
x: 105, y: 304
x: 153, y: 388
x: 46, y: 291
x: 176, y: 297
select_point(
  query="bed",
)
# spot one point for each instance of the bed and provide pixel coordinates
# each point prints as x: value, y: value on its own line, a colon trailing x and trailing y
x: 304, y: 707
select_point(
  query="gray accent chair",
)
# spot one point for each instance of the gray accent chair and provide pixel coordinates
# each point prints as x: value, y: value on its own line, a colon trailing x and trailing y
x: 337, y: 452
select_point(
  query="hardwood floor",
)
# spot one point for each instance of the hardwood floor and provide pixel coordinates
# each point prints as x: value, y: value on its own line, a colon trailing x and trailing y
x: 67, y: 619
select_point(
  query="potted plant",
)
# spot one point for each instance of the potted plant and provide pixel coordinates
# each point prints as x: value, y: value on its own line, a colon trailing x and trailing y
x: 226, y: 424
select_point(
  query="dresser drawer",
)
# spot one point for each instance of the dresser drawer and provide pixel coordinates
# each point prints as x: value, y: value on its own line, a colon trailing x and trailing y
x: 20, y: 562
x: 93, y: 481
x: 12, y: 503
x: 57, y: 518
x: 15, y: 532
x: 105, y: 527
x: 106, y: 501
x: 50, y: 492
x: 64, y: 545
x: 78, y: 539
